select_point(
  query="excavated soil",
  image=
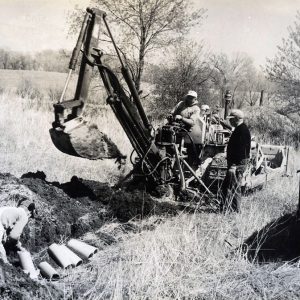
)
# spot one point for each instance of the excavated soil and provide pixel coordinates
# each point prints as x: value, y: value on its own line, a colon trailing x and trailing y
x: 85, y: 140
x: 64, y: 211
x: 16, y: 285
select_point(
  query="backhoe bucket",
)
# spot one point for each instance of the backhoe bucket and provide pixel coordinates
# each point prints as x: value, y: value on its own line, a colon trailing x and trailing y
x: 83, y: 139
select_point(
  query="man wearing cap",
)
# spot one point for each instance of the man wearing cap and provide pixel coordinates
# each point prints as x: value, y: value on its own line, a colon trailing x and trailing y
x: 204, y: 111
x: 238, y: 154
x: 12, y: 223
x: 188, y: 112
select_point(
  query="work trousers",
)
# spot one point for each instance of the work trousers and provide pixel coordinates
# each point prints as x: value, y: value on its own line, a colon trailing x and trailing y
x: 231, y: 193
x: 193, y: 153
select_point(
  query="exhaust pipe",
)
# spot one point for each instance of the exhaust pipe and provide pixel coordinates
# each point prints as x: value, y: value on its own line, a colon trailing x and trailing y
x: 27, y: 264
x: 60, y: 256
x: 48, y: 271
x: 82, y: 249
x: 227, y: 100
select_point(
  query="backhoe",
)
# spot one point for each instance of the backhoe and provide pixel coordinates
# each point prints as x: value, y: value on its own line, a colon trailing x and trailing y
x: 161, y: 152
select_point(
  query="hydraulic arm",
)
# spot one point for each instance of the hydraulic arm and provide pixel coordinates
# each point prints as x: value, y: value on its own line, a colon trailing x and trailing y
x: 71, y: 134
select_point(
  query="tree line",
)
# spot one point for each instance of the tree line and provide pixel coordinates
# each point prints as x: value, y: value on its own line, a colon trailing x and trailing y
x: 211, y: 75
x: 159, y: 28
x: 46, y: 60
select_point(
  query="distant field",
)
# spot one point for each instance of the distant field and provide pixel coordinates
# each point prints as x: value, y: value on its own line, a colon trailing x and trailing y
x: 10, y: 79
x: 26, y: 145
x: 51, y: 84
x: 46, y: 87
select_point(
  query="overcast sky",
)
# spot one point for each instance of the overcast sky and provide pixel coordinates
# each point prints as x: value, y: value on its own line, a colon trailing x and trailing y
x: 251, y: 26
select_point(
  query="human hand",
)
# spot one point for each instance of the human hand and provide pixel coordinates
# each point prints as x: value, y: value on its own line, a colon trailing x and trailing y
x: 178, y: 117
x: 232, y: 169
x: 19, y: 246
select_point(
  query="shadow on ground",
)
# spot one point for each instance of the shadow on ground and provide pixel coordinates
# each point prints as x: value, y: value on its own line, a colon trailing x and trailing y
x: 277, y: 241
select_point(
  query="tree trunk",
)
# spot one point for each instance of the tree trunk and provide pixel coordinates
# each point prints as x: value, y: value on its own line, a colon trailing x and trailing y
x: 222, y: 94
x: 139, y: 72
x: 261, y: 99
x: 141, y: 61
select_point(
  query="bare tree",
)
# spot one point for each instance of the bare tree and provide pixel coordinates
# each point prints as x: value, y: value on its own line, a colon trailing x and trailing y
x: 255, y: 83
x: 188, y: 69
x: 231, y: 73
x: 284, y: 68
x: 147, y: 25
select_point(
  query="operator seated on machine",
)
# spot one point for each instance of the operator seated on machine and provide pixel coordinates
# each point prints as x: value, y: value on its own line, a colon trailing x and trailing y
x: 188, y: 112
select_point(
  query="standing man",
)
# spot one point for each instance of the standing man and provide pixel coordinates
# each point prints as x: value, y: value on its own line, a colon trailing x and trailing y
x: 12, y: 223
x: 238, y: 155
x: 188, y: 112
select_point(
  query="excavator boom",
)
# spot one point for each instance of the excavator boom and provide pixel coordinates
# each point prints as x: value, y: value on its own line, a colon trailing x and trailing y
x: 73, y: 135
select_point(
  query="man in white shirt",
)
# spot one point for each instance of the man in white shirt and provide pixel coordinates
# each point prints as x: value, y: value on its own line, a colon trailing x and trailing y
x: 188, y: 112
x: 12, y: 222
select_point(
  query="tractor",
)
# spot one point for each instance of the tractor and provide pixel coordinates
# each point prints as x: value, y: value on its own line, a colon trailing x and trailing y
x: 161, y: 152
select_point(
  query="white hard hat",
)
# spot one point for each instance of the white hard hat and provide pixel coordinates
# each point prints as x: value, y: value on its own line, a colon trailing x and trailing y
x: 204, y: 107
x: 192, y: 94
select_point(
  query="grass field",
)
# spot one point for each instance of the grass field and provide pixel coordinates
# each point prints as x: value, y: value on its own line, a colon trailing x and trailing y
x: 26, y: 144
x: 10, y: 79
x: 25, y: 124
x: 189, y: 256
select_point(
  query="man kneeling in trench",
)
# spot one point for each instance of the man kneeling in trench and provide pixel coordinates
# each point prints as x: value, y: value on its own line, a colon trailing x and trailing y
x: 12, y: 222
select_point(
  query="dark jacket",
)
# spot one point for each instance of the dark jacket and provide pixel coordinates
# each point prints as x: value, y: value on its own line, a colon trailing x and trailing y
x: 239, y: 145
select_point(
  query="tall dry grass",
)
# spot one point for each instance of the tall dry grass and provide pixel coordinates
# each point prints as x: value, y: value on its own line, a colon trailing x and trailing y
x: 191, y: 256
x: 26, y: 144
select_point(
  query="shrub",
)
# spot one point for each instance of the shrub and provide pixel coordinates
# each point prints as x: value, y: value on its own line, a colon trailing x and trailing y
x: 272, y: 126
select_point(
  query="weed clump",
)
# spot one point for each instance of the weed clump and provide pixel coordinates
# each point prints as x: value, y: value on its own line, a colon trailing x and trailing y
x: 26, y: 89
x: 273, y: 127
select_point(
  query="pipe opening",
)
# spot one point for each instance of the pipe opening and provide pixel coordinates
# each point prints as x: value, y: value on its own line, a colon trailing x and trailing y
x: 54, y: 277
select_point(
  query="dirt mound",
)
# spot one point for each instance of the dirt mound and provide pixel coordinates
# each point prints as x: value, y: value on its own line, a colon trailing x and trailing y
x: 14, y: 284
x: 64, y: 211
x: 277, y: 241
x: 126, y: 205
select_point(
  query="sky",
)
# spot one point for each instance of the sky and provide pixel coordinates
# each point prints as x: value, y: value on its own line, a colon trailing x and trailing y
x: 254, y: 27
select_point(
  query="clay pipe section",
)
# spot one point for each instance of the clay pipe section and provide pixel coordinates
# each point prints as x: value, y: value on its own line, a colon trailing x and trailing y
x: 75, y: 260
x: 27, y: 264
x: 48, y: 271
x: 82, y: 249
x: 60, y: 256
